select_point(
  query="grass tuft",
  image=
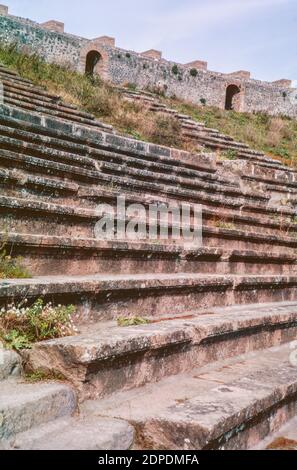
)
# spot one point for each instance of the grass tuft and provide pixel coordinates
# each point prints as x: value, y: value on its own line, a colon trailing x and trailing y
x: 133, y: 321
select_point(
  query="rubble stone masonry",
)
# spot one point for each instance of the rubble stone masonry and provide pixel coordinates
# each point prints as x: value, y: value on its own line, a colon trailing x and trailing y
x: 147, y: 70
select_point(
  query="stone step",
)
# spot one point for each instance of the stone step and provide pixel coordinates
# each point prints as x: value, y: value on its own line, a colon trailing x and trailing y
x: 27, y: 88
x: 106, y: 296
x: 21, y: 184
x: 215, y: 139
x: 55, y: 145
x: 26, y: 216
x: 255, y: 172
x: 25, y: 97
x: 232, y: 404
x: 25, y: 405
x: 48, y: 163
x: 10, y: 364
x: 47, y: 184
x: 50, y: 255
x: 56, y: 113
x: 25, y: 84
x: 82, y: 136
x: 82, y: 434
x: 148, y: 353
x: 284, y: 438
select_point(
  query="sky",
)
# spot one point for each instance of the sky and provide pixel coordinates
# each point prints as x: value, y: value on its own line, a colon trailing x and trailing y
x: 255, y: 35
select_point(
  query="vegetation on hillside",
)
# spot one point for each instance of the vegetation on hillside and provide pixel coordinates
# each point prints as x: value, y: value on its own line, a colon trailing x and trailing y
x: 276, y: 136
x: 93, y: 95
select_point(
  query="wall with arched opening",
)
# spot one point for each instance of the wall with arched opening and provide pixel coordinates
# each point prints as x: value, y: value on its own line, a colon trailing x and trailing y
x: 94, y: 60
x: 234, y: 97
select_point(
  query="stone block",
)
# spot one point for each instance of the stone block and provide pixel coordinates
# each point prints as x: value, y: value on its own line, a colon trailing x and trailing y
x: 198, y: 64
x: 53, y: 25
x: 152, y: 54
x: 105, y: 40
x: 284, y: 83
x: 3, y: 10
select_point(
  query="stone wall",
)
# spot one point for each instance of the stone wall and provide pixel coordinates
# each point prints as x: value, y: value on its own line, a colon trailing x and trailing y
x: 191, y: 82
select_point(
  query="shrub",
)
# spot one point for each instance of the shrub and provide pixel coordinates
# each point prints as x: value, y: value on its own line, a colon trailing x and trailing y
x: 128, y: 55
x: 20, y: 326
x: 175, y: 70
x: 203, y: 101
x: 193, y: 72
x: 131, y: 86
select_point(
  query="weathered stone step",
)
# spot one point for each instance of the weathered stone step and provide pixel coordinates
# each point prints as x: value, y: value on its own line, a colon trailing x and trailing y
x: 75, y: 149
x: 284, y: 438
x: 206, y: 136
x: 79, y: 135
x: 56, y: 113
x: 11, y: 93
x: 148, y: 353
x: 25, y: 86
x: 76, y: 434
x: 32, y: 216
x: 10, y: 364
x: 30, y: 91
x: 52, y: 255
x: 139, y: 181
x: 232, y: 404
x: 102, y: 296
x: 15, y: 183
x: 25, y: 405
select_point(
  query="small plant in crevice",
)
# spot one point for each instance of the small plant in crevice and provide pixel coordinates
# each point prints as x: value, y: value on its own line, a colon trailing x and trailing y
x: 225, y: 225
x: 131, y: 321
x: 40, y: 375
x: 11, y: 268
x: 228, y: 155
x: 203, y: 101
x: 175, y: 70
x: 193, y: 72
x: 131, y: 86
x: 22, y: 325
x: 128, y: 55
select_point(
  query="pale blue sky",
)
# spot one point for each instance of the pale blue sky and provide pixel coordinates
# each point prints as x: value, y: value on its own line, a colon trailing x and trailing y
x: 255, y: 35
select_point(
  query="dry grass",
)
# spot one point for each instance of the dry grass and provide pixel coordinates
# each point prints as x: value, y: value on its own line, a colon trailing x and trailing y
x: 97, y: 97
x: 276, y: 136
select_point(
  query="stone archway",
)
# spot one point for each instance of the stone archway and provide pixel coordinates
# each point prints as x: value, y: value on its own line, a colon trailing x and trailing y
x: 233, y: 99
x: 94, y: 60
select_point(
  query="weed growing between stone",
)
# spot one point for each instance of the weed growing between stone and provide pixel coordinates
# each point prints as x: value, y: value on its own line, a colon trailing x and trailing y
x: 133, y: 321
x: 21, y: 326
x: 11, y: 268
x: 41, y: 376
